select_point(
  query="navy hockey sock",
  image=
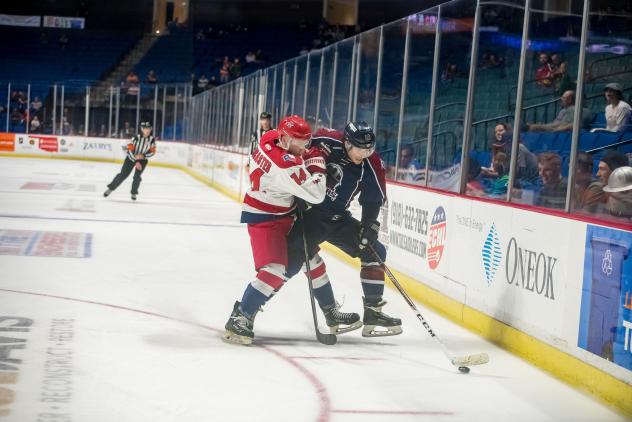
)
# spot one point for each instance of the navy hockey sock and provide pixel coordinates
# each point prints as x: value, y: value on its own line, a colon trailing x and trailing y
x: 252, y: 301
x: 325, y: 295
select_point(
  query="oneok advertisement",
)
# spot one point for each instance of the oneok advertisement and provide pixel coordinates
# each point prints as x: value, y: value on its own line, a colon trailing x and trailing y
x: 605, y: 327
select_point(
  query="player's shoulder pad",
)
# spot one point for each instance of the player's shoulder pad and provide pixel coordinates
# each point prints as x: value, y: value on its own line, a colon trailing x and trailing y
x: 280, y: 157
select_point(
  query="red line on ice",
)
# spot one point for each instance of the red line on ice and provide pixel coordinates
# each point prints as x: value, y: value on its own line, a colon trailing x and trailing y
x: 395, y: 412
x: 324, y: 412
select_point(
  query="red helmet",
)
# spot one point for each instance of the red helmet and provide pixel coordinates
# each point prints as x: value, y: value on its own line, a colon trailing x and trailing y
x: 295, y: 127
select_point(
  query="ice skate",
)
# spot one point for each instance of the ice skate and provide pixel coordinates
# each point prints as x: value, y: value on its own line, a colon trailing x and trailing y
x: 134, y: 197
x: 377, y: 323
x: 239, y: 327
x: 340, y: 322
x: 107, y: 192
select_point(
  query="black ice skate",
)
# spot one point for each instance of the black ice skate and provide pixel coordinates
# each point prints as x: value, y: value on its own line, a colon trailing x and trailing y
x: 107, y: 192
x: 133, y: 197
x: 239, y: 327
x: 374, y: 317
x: 340, y: 322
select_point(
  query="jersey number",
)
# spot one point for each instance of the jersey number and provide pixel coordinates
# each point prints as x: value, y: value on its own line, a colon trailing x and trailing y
x: 300, y: 178
x: 255, y: 178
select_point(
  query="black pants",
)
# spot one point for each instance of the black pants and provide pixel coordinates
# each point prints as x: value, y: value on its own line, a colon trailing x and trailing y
x: 128, y: 166
x: 342, y: 231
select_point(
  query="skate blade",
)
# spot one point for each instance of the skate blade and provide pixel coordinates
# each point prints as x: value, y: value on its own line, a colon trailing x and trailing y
x: 233, y: 338
x: 337, y: 329
x: 370, y: 331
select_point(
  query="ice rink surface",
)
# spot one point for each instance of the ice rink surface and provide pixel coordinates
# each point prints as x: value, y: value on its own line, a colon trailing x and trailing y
x: 111, y: 310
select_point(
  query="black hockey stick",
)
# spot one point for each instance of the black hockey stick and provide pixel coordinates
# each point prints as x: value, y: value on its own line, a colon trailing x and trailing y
x: 459, y: 361
x: 328, y: 339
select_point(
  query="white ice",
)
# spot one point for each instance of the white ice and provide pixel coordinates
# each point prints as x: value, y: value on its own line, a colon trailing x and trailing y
x: 146, y: 310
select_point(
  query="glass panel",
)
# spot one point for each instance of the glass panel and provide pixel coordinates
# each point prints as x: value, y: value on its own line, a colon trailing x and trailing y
x: 5, y: 106
x: 365, y: 108
x: 39, y: 110
x: 412, y: 161
x: 343, y: 83
x: 390, y: 92
x: 324, y: 112
x: 454, y: 61
x: 312, y: 88
x: 493, y: 108
x: 550, y: 74
x: 608, y: 93
x: 286, y: 106
x: 278, y: 91
x: 299, y: 96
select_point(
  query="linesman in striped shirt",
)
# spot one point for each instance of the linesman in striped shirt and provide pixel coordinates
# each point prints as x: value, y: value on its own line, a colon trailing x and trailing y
x: 139, y: 149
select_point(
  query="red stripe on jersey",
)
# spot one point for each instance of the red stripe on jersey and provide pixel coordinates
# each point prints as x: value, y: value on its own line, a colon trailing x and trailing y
x: 318, y: 271
x: 270, y: 279
x: 265, y: 207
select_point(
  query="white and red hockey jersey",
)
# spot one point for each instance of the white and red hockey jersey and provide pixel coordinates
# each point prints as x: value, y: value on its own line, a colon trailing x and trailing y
x: 277, y: 177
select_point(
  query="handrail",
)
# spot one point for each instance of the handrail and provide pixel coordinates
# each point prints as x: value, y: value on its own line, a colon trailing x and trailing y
x: 615, y: 145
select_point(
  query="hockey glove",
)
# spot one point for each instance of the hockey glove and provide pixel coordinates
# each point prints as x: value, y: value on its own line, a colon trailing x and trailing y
x: 314, y: 160
x: 368, y: 233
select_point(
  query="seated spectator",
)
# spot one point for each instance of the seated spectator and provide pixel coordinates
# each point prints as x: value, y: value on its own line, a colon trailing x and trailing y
x: 17, y: 116
x: 66, y: 127
x: 617, y: 111
x: 544, y: 74
x: 409, y: 168
x: 21, y: 100
x: 132, y: 78
x: 35, y: 126
x: 501, y: 165
x: 527, y: 171
x: 151, y: 77
x: 202, y: 83
x: 564, y: 119
x: 250, y: 57
x: 450, y: 72
x: 499, y: 130
x: 553, y: 191
x: 619, y: 189
x: 491, y: 61
x: 611, y: 161
x: 561, y: 80
x: 103, y: 131
x: 235, y: 69
x: 36, y: 104
x: 474, y: 186
x: 588, y: 194
x: 127, y: 131
x: 224, y: 73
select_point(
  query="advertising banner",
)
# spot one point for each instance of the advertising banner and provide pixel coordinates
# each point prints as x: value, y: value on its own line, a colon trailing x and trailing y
x: 16, y: 20
x: 7, y: 142
x: 64, y: 22
x: 605, y: 325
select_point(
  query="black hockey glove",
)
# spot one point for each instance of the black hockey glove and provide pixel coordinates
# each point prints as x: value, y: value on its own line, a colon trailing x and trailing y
x: 368, y: 233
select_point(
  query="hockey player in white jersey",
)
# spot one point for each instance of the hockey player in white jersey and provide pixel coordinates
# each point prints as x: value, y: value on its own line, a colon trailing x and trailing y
x: 281, y: 169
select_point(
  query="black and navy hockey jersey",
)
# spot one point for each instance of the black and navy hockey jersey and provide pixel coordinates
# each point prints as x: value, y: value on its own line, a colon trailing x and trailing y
x: 346, y: 180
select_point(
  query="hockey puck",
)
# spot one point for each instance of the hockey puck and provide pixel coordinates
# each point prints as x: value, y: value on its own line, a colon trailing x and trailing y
x: 464, y: 369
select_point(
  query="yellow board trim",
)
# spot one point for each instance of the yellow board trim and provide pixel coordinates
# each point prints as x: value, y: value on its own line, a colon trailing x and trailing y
x: 563, y: 366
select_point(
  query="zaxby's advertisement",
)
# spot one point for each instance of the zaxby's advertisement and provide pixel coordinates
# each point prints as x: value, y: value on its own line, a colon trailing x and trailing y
x: 605, y: 326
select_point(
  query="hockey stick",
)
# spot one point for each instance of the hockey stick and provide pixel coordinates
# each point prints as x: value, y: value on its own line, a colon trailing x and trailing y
x: 459, y: 361
x: 328, y: 339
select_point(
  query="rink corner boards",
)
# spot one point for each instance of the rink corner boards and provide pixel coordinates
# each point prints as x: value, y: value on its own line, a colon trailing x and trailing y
x: 565, y: 367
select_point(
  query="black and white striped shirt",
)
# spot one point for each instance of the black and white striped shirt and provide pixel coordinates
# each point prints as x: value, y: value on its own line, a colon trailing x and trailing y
x: 141, y: 145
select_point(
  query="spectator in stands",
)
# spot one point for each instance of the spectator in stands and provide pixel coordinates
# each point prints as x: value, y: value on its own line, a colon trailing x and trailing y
x: 36, y: 104
x: 21, y: 100
x: 544, y: 74
x: 202, y: 84
x: 16, y: 116
x: 224, y: 72
x: 474, y: 186
x: 103, y: 131
x: 611, y: 161
x: 491, y: 61
x: 588, y: 194
x: 235, y: 69
x: 617, y: 111
x: 527, y: 172
x: 261, y: 58
x: 250, y: 57
x: 35, y: 126
x: 450, y: 72
x: 66, y: 127
x: 561, y: 80
x: 564, y: 119
x: 409, y: 168
x: 212, y: 83
x: 499, y: 130
x: 553, y: 191
x: 132, y: 78
x: 619, y: 189
x: 127, y: 131
x: 501, y: 165
x: 151, y: 77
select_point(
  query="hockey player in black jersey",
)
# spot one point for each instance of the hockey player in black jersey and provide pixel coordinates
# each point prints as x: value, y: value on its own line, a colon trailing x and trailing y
x: 139, y: 149
x: 353, y: 168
